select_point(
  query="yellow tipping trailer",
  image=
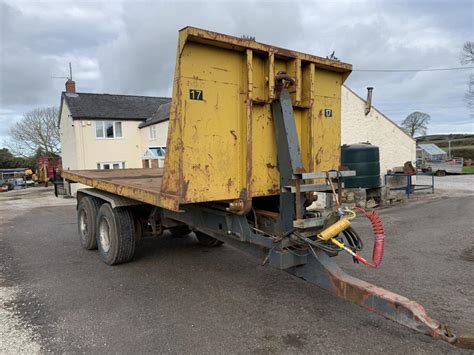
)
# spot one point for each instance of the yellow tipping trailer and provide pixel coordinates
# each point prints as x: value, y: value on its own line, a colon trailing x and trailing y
x: 254, y: 131
x: 221, y: 143
x: 221, y: 139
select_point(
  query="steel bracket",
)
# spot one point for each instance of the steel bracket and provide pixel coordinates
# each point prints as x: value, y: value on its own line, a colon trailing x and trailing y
x: 324, y: 272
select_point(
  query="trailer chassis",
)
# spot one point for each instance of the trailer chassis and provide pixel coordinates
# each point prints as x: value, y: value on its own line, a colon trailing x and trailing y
x: 317, y: 268
x: 272, y: 243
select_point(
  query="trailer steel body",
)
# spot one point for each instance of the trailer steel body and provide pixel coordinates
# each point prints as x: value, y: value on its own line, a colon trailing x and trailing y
x: 254, y: 131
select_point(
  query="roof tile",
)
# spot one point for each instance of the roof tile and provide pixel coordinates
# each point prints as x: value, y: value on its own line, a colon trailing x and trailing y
x: 106, y: 106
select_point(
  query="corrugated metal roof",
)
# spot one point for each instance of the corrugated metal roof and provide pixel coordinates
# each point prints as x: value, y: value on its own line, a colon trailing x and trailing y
x: 432, y: 149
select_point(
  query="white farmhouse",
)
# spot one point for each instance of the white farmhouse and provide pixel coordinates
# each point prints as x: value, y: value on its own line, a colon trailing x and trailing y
x: 396, y: 146
x: 154, y: 132
x: 101, y: 131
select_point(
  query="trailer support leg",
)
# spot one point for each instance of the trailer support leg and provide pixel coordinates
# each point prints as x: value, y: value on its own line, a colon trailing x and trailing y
x: 324, y: 272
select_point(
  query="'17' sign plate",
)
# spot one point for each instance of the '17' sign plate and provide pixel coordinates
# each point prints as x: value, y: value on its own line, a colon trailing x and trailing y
x: 195, y: 94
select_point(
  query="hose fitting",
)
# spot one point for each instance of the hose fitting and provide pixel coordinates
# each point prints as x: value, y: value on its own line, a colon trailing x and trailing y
x: 334, y: 229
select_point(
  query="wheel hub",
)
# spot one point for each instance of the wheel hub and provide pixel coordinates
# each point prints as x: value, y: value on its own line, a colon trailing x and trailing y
x: 104, y: 235
x: 83, y: 223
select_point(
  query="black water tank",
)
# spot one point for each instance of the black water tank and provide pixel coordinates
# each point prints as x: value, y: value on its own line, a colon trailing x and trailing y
x: 365, y: 160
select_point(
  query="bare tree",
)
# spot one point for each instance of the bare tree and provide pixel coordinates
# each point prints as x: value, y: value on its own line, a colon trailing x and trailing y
x: 37, y: 131
x: 416, y: 122
x: 467, y: 58
x: 467, y: 54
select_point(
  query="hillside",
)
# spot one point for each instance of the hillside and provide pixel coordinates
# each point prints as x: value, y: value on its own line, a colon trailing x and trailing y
x: 462, y: 145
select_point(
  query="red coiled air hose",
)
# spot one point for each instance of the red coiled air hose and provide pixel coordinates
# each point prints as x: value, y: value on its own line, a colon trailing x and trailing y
x: 377, y: 227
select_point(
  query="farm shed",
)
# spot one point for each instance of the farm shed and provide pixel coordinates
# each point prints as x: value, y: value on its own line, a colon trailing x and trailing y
x: 430, y: 152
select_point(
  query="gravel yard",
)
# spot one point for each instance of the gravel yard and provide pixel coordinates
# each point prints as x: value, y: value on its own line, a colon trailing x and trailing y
x: 450, y: 184
x: 17, y: 333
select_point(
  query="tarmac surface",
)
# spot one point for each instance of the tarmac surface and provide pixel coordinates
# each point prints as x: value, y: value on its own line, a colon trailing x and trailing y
x: 178, y: 297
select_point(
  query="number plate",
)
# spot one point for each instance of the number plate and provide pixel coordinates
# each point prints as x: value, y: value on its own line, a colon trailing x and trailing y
x: 195, y: 94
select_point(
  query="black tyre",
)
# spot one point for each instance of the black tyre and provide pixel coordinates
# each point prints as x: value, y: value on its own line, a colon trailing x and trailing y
x: 206, y: 240
x: 86, y: 221
x: 179, y: 231
x: 440, y: 173
x: 137, y: 225
x: 115, y: 234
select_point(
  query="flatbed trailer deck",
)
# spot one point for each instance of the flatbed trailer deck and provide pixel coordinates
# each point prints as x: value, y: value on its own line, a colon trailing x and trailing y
x: 254, y: 132
x: 143, y: 185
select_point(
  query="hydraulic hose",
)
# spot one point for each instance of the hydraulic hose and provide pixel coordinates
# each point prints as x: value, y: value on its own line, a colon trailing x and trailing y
x: 379, y: 232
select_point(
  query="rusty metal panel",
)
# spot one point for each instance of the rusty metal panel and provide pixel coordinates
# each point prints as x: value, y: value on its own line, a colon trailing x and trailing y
x: 221, y: 143
x: 142, y: 185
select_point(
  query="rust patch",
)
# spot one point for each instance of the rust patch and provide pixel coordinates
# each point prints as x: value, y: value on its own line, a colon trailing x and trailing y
x: 165, y: 183
x: 231, y: 41
x: 318, y: 158
x: 229, y: 184
x: 184, y: 189
x: 310, y: 139
x: 347, y: 291
x: 274, y: 190
x: 270, y: 166
x: 249, y: 129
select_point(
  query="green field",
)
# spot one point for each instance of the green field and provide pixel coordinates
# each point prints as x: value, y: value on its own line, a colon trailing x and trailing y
x: 468, y: 169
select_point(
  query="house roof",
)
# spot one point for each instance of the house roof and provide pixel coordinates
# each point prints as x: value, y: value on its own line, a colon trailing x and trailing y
x: 432, y: 149
x: 161, y: 114
x: 106, y: 106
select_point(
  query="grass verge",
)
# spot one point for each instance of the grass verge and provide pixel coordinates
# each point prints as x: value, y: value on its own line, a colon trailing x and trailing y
x: 468, y: 169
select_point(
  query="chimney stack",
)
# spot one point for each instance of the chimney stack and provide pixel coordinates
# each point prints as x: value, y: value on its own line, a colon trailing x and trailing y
x: 368, y: 102
x: 70, y: 86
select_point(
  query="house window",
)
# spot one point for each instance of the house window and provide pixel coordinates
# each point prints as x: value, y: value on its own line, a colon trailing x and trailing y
x: 108, y: 129
x: 156, y: 152
x: 161, y: 152
x: 111, y: 165
x: 152, y: 132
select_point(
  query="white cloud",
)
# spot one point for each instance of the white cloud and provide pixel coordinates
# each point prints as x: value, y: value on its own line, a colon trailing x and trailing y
x: 130, y: 46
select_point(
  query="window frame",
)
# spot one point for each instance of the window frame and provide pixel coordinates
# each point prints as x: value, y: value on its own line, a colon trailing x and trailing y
x: 100, y: 165
x: 152, y: 133
x: 104, y: 132
x: 161, y: 149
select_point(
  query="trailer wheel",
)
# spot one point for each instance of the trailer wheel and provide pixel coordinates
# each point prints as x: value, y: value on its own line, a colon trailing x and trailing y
x: 179, y: 231
x: 440, y: 173
x: 206, y: 240
x: 137, y: 225
x: 86, y: 221
x: 115, y: 234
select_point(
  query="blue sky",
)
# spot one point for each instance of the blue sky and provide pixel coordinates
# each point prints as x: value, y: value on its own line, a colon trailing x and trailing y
x: 129, y: 47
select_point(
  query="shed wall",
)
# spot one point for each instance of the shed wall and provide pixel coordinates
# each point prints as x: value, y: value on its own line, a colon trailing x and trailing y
x: 396, y: 147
